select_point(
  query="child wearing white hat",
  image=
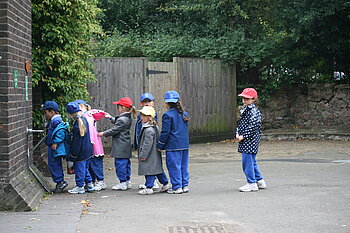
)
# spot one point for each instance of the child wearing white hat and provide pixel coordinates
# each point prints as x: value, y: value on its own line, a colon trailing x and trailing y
x: 150, y: 159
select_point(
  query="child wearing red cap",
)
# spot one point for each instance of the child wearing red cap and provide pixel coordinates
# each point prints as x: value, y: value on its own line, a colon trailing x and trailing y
x: 121, y: 142
x: 248, y: 135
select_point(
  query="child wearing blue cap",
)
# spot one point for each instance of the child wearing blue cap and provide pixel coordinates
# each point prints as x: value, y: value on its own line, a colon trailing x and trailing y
x: 174, y: 140
x: 146, y: 99
x: 57, y: 143
x: 81, y: 150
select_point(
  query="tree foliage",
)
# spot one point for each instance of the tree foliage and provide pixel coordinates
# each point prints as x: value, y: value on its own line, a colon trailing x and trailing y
x: 63, y: 32
x: 274, y: 42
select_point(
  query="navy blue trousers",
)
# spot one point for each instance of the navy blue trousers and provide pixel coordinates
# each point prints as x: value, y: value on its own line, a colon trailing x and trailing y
x: 96, y: 168
x: 250, y: 168
x: 55, y: 166
x: 151, y: 178
x: 177, y: 164
x: 82, y: 174
x: 123, y: 169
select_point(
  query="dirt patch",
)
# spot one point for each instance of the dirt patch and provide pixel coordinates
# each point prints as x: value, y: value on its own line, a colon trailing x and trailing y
x: 272, y: 149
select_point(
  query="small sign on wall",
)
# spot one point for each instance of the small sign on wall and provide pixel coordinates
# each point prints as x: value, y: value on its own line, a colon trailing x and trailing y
x: 15, y: 78
x: 27, y: 96
x: 27, y: 69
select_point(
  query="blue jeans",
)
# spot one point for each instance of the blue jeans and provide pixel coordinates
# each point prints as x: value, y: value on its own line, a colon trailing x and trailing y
x: 250, y: 168
x: 151, y: 178
x: 123, y: 169
x: 82, y: 174
x: 96, y: 168
x: 55, y: 166
x: 177, y: 164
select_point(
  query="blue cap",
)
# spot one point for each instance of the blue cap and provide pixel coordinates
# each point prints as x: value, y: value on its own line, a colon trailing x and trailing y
x: 80, y: 102
x: 50, y: 105
x: 72, y: 107
x: 172, y: 97
x: 146, y: 96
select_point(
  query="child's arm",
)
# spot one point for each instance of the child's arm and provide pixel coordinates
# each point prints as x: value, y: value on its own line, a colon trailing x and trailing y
x: 253, y: 126
x: 164, y: 135
x: 116, y: 129
x: 146, y: 147
x: 59, y: 137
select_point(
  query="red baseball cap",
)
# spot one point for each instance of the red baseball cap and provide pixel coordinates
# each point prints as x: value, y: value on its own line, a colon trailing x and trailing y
x: 125, y: 101
x: 249, y: 93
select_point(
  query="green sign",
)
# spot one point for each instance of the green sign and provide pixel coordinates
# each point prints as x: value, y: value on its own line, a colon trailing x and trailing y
x: 15, y: 78
x: 27, y: 96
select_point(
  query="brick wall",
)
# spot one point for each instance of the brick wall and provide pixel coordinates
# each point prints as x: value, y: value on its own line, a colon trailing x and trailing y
x: 19, y: 190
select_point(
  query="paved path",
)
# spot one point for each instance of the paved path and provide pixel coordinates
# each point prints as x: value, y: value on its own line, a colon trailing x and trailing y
x: 308, y: 191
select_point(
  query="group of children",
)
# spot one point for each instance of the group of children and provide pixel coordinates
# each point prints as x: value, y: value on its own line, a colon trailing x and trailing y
x: 83, y: 146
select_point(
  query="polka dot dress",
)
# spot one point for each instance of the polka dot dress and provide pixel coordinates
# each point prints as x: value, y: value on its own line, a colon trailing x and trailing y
x: 249, y: 126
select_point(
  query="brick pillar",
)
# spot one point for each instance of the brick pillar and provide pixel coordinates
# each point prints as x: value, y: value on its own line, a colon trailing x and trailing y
x: 19, y: 190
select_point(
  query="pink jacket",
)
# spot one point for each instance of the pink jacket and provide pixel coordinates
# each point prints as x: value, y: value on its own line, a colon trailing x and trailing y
x: 97, y: 146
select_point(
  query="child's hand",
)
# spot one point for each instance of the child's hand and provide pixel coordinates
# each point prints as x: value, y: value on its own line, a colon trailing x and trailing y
x: 159, y: 150
x: 107, y: 115
x: 100, y: 134
x: 239, y: 137
x: 142, y: 159
x: 54, y: 146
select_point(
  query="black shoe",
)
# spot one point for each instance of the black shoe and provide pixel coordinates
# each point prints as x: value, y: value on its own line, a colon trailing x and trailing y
x: 60, y: 186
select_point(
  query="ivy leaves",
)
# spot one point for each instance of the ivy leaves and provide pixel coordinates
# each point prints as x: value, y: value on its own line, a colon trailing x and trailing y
x: 63, y: 32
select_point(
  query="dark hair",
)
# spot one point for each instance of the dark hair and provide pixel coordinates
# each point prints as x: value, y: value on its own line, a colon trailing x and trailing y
x: 146, y: 100
x: 50, y: 109
x: 179, y: 108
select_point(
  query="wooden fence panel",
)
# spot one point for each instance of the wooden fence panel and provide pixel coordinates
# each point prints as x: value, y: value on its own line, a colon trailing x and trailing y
x: 207, y: 88
x: 161, y: 78
x: 116, y: 78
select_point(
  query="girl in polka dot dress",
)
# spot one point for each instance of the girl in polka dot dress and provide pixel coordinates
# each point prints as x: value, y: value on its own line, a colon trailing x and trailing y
x: 248, y: 135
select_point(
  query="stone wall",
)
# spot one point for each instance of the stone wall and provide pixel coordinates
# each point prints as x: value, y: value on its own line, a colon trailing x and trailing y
x: 317, y: 105
x: 19, y: 189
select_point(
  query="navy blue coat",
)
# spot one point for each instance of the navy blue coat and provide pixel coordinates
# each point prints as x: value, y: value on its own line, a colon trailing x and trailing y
x: 50, y: 127
x: 249, y: 126
x: 174, y: 135
x: 61, y: 137
x: 81, y: 147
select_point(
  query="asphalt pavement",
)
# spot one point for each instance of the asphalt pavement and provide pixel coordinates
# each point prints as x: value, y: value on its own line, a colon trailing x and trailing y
x: 307, y: 191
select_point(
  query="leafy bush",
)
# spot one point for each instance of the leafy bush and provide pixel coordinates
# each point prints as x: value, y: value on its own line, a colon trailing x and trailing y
x: 274, y: 42
x: 63, y: 33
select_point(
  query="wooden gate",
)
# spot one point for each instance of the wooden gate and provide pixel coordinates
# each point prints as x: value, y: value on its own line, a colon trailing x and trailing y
x: 161, y: 78
x: 207, y: 88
